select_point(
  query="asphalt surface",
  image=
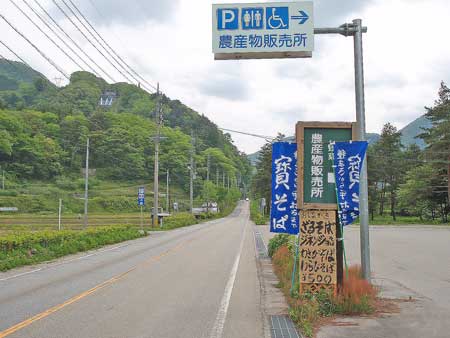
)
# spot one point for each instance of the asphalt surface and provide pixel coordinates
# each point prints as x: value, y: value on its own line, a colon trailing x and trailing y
x: 199, y: 281
x: 416, y: 257
x: 411, y: 265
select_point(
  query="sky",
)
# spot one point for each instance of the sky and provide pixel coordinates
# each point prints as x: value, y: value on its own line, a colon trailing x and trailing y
x: 406, y: 56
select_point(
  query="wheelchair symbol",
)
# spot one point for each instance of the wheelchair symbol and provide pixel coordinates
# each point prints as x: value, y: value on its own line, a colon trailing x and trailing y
x: 277, y: 21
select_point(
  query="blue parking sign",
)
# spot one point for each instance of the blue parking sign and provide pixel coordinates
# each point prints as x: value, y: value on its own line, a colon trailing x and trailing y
x: 277, y: 18
x: 227, y: 18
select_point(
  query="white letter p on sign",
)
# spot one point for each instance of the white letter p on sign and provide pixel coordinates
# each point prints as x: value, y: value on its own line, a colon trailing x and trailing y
x: 228, y: 16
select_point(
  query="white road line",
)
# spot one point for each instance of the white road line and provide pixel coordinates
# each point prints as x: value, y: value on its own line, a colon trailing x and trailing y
x: 63, y: 262
x: 219, y: 323
x: 19, y: 275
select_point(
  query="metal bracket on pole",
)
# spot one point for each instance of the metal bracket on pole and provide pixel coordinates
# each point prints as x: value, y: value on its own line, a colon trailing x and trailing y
x: 347, y: 29
x: 355, y: 29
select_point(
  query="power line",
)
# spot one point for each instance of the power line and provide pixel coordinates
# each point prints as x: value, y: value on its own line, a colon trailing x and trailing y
x: 46, y: 35
x: 82, y: 33
x: 112, y: 50
x: 131, y: 69
x: 15, y: 54
x: 74, y: 42
x: 36, y: 48
x: 87, y: 38
x: 96, y: 40
x: 8, y: 61
x: 41, y: 18
x: 267, y: 138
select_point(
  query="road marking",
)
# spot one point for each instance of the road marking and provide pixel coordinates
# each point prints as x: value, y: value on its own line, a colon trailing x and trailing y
x: 82, y: 295
x: 63, y: 262
x: 19, y: 275
x: 219, y: 323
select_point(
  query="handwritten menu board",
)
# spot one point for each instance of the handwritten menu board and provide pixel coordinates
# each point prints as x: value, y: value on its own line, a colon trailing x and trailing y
x: 318, y: 264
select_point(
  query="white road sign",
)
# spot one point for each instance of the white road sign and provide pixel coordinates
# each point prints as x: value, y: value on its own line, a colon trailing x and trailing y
x: 263, y: 30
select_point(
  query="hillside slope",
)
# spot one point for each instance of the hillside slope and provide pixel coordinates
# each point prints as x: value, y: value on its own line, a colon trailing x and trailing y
x: 44, y: 129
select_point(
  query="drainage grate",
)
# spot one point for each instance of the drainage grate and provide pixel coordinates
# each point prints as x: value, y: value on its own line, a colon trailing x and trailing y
x: 283, y: 327
x: 260, y: 245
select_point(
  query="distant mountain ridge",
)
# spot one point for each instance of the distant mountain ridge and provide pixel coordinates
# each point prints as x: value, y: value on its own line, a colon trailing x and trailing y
x: 409, y: 135
x: 13, y: 73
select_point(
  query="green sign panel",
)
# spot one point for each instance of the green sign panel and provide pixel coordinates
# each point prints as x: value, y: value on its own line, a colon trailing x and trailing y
x: 318, y: 186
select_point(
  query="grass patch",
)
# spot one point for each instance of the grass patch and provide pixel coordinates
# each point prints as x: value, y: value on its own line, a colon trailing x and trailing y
x: 25, y: 248
x: 356, y: 297
x: 403, y: 220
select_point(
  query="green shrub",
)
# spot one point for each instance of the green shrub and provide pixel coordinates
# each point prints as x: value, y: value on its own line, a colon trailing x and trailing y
x: 33, y: 247
x: 255, y: 215
x: 179, y: 220
x: 66, y: 183
x: 276, y: 242
x: 8, y: 193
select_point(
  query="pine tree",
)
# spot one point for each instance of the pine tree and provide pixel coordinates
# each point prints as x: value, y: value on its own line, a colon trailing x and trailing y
x: 437, y: 151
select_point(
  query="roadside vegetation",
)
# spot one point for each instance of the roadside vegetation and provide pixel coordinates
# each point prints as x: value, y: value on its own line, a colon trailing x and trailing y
x: 25, y: 248
x: 356, y: 297
x: 255, y: 214
x: 24, y: 244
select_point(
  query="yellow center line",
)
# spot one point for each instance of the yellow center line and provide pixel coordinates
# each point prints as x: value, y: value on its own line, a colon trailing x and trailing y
x: 84, y: 294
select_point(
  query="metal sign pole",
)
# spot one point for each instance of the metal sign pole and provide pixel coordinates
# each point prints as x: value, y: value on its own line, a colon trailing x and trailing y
x: 361, y: 125
x: 356, y: 30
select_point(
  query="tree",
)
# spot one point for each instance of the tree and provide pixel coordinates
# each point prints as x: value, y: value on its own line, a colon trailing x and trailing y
x: 209, y: 192
x: 262, y: 180
x: 386, y: 167
x: 417, y: 193
x: 437, y: 139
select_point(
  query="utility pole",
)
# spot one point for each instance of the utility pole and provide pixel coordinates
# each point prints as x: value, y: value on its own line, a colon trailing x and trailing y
x: 59, y: 214
x: 207, y: 180
x: 207, y: 167
x: 191, y: 175
x: 217, y: 176
x: 156, y: 171
x: 167, y: 192
x: 86, y: 185
x: 223, y: 179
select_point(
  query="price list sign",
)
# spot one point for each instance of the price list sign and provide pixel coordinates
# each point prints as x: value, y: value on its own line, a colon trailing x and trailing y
x: 318, y: 262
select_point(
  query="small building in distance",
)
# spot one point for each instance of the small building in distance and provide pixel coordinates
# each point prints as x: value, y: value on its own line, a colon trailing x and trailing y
x: 107, y: 98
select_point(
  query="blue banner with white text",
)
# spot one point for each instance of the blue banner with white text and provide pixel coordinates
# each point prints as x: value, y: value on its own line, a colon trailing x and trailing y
x: 283, y: 211
x: 348, y: 162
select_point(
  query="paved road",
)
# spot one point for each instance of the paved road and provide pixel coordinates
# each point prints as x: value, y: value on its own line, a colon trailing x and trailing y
x: 407, y: 262
x: 199, y: 281
x: 416, y: 257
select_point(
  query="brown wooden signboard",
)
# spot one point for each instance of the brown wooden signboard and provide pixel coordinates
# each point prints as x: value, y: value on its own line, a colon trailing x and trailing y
x: 318, y: 258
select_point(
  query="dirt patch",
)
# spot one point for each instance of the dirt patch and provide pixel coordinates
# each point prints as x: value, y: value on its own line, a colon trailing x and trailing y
x: 383, y: 307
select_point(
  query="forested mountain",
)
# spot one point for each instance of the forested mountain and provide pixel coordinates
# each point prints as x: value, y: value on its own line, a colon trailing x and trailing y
x: 43, y: 131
